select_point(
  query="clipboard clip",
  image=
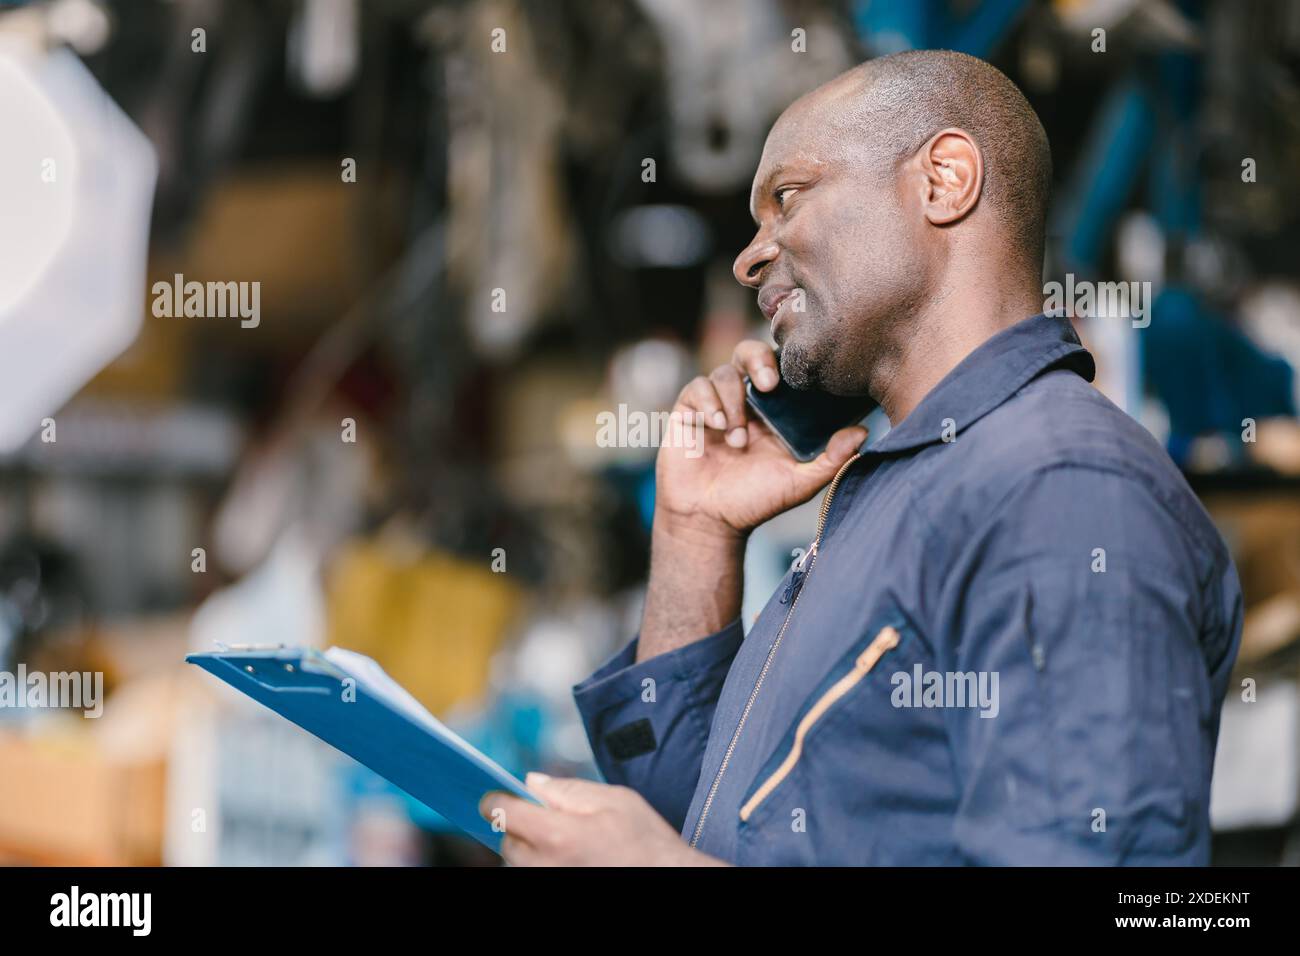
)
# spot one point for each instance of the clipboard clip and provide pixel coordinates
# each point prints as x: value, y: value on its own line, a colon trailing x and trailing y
x: 223, y: 647
x: 314, y: 662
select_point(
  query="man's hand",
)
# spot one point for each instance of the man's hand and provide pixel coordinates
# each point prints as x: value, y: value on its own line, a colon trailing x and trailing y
x: 586, y: 824
x: 710, y: 495
x: 745, y: 475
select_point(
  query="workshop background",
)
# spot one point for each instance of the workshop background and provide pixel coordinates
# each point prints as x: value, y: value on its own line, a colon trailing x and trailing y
x: 476, y: 226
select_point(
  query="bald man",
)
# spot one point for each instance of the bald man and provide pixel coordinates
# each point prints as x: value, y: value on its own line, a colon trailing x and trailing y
x: 1009, y: 640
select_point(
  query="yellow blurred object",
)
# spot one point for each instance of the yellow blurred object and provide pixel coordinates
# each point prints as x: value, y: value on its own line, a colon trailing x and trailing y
x: 242, y: 232
x: 154, y: 365
x: 1277, y: 445
x: 431, y: 621
x: 1264, y: 530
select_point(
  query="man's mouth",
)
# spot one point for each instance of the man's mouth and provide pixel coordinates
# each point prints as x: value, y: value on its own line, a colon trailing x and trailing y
x: 771, y: 297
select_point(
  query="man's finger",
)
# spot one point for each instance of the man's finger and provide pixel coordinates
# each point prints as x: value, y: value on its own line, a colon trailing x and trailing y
x: 700, y: 396
x: 517, y: 852
x: 570, y: 794
x: 520, y: 817
x: 731, y: 390
x: 758, y: 361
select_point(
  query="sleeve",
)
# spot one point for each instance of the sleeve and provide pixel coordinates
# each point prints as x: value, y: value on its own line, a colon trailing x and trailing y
x: 648, y: 722
x: 1081, y: 602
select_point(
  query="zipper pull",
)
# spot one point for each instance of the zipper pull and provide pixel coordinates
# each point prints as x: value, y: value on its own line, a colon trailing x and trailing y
x: 800, y: 570
x: 796, y: 580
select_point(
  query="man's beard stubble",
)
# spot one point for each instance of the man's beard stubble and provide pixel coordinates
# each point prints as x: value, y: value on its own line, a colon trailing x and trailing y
x: 798, y: 368
x: 843, y: 358
x: 831, y: 362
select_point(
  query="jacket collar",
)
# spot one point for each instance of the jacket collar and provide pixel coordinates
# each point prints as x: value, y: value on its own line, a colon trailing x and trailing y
x: 987, y: 377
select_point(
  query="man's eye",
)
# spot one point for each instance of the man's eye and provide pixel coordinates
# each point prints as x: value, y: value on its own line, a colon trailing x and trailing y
x: 782, y: 193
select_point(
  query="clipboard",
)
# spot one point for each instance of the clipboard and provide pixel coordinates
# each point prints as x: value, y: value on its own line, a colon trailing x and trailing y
x: 379, y: 726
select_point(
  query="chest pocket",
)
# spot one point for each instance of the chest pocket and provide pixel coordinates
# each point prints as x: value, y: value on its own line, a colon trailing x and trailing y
x: 818, y: 797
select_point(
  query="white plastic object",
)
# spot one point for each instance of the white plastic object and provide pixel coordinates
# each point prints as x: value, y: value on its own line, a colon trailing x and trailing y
x: 76, y: 189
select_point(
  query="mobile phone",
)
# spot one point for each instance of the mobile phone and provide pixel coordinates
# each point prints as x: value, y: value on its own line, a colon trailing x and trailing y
x: 805, y: 420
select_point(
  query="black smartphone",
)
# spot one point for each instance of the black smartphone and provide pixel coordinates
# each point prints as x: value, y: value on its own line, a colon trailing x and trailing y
x: 805, y: 420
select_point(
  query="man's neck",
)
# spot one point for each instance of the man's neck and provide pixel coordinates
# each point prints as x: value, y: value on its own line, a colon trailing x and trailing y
x: 951, y: 326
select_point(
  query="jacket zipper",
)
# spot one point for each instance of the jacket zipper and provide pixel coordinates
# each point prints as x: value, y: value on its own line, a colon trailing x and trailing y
x: 883, y: 642
x: 803, y: 569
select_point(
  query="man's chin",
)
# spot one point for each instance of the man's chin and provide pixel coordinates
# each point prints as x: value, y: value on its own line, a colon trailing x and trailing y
x: 797, y: 367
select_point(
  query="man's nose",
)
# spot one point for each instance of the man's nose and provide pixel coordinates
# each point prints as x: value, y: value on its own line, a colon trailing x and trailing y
x: 749, y: 265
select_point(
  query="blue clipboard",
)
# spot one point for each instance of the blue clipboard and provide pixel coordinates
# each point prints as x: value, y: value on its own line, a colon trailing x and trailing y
x: 432, y: 764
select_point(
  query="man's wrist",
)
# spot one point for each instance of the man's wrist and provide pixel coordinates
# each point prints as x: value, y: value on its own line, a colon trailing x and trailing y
x: 707, y: 536
x: 696, y: 582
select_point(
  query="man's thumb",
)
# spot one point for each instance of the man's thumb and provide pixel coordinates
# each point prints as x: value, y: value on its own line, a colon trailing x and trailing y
x: 814, y: 474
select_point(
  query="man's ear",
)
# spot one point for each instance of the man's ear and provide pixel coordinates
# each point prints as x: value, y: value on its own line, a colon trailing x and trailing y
x: 954, y: 175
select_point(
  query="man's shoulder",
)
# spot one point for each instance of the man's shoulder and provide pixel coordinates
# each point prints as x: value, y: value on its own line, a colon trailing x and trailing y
x: 1058, y: 435
x: 1059, y: 421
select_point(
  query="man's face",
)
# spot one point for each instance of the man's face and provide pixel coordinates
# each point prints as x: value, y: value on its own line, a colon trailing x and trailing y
x: 837, y: 259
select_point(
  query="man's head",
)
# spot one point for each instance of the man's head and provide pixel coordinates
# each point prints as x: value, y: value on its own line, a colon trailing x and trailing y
x: 875, y: 193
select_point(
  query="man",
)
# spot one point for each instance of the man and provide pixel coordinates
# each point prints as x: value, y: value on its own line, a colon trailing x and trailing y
x: 1011, y: 638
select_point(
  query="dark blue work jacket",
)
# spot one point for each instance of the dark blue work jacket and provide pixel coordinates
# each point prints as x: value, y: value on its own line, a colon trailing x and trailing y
x: 1010, y: 646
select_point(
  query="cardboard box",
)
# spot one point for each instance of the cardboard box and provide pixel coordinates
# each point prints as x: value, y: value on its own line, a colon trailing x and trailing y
x: 69, y: 804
